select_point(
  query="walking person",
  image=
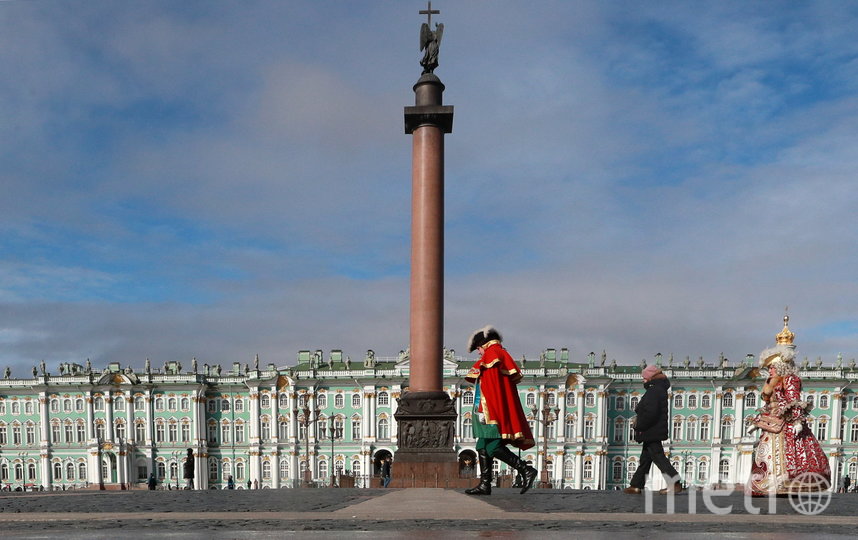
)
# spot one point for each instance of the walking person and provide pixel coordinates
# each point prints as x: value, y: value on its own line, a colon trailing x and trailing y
x: 385, y: 472
x: 189, y: 469
x: 498, y: 418
x: 152, y: 482
x: 846, y: 482
x: 650, y: 429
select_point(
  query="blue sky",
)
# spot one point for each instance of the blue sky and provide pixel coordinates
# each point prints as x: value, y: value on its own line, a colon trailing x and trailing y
x: 221, y: 179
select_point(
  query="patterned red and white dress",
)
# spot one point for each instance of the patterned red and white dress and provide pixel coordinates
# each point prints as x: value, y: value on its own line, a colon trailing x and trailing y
x: 781, y: 459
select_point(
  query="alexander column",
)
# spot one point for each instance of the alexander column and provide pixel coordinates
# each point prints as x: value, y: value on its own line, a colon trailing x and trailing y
x: 426, y: 416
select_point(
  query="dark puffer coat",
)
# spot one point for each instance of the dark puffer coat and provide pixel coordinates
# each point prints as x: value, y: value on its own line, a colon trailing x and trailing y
x: 651, y: 423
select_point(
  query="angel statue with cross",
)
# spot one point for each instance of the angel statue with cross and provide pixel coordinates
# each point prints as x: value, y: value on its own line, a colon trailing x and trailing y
x: 430, y: 41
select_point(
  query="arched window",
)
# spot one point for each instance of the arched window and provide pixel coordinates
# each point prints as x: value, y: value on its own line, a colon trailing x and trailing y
x: 589, y: 428
x: 159, y: 431
x: 570, y: 398
x: 383, y: 429
x: 702, y: 471
x: 691, y: 429
x: 119, y: 403
x: 239, y: 470
x: 822, y: 429
x: 356, y: 400
x: 69, y: 471
x: 186, y: 430
x: 823, y: 401
x: 139, y: 403
x: 727, y: 400
x: 224, y: 405
x: 212, y: 432
x: 266, y: 470
x: 323, y: 469
x: 677, y: 401
x: 81, y: 471
x: 468, y: 398
x: 569, y: 470
x: 55, y: 405
x: 356, y: 467
x: 58, y: 471
x: 727, y: 428
x: 810, y: 400
x: 31, y: 472
x: 140, y: 431
x: 750, y: 400
x: 238, y: 404
x: 621, y: 403
x: 631, y: 467
x: 552, y: 399
x: 617, y: 471
x: 4, y: 471
x: 383, y: 399
x: 706, y: 401
x: 357, y: 433
x: 283, y: 400
x: 283, y: 429
x: 161, y: 469
x: 120, y: 429
x: 677, y: 429
x: 212, y: 468
x: 185, y: 403
x: 588, y: 469
x: 265, y: 428
x: 619, y: 429
x: 724, y: 470
x: 284, y: 469
x: 569, y: 428
x: 467, y: 428
x: 853, y: 432
x: 99, y: 430
x: 339, y: 401
x: 633, y: 403
x: 159, y: 403
x: 225, y: 431
x: 321, y: 401
x: 530, y: 400
x: 692, y: 401
x: 590, y: 400
x: 265, y: 401
x: 99, y: 403
x: 704, y: 429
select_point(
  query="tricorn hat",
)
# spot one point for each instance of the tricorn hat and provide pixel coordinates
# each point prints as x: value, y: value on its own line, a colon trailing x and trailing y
x: 483, y: 336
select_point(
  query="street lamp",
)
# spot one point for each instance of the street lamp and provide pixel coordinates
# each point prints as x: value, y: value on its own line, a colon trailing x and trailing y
x: 307, y: 422
x: 546, y: 421
x: 335, y: 433
x: 175, y: 455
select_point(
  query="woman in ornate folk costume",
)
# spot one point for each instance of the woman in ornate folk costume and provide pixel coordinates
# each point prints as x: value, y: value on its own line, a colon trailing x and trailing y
x: 788, y: 458
x: 498, y: 418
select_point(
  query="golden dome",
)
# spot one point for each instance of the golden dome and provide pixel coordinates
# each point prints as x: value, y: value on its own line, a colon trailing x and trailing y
x: 785, y: 337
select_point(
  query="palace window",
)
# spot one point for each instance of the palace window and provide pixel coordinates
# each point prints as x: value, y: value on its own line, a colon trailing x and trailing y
x: 704, y: 429
x: 617, y: 471
x: 284, y: 469
x: 265, y: 429
x: 139, y: 403
x: 185, y: 403
x: 633, y: 403
x: 78, y: 405
x: 58, y: 471
x: 161, y: 469
x: 727, y: 400
x: 589, y: 428
x: 569, y: 470
x: 588, y: 470
x: 355, y: 400
x: 55, y: 433
x: 552, y: 399
x: 751, y: 400
x: 569, y: 428
x: 692, y: 401
x: 265, y: 401
x: 172, y: 404
x: 239, y: 405
x: 68, y: 429
x: 621, y: 403
x: 119, y: 403
x: 356, y: 429
x: 55, y: 405
x: 67, y: 405
x: 702, y: 471
x: 468, y: 398
x: 383, y: 399
x: 570, y: 398
x: 677, y: 430
x: 724, y: 470
x: 212, y: 429
x: 31, y: 472
x: 810, y: 400
x: 283, y: 430
x: 159, y: 403
x: 321, y: 401
x: 213, y: 469
x: 619, y: 429
x: 726, y: 428
x: 159, y: 432
x: 853, y: 432
x: 239, y: 432
x: 822, y: 429
x: 383, y: 429
x: 69, y: 471
x: 677, y: 401
x: 691, y: 429
x: 186, y: 431
x: 224, y: 405
x: 706, y: 401
x: 239, y: 470
x: 339, y: 401
x: 120, y: 430
x: 631, y: 467
x: 590, y: 400
x: 467, y: 429
x: 31, y: 433
x: 140, y: 432
x: 16, y: 435
x: 172, y: 432
x: 266, y: 470
x: 823, y: 401
x: 530, y: 400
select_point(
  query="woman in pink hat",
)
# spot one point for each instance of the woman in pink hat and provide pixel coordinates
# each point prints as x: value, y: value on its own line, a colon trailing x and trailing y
x: 651, y: 429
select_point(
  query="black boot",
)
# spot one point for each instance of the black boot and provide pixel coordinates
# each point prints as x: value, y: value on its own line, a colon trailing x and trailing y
x: 528, y: 473
x: 485, y: 485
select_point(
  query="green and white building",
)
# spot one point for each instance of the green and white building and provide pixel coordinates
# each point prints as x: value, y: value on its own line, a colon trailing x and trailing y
x: 113, y: 427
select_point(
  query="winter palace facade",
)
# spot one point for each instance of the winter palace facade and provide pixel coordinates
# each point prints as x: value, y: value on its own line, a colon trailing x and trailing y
x: 112, y: 428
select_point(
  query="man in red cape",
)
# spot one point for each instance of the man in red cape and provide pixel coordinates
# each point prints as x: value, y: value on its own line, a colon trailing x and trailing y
x: 498, y: 418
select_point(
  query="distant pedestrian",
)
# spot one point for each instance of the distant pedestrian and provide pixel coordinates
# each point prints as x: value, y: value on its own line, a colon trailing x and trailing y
x: 189, y: 469
x: 650, y: 429
x: 255, y: 484
x: 230, y: 482
x: 846, y: 483
x: 152, y: 482
x: 385, y: 472
x: 249, y: 483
